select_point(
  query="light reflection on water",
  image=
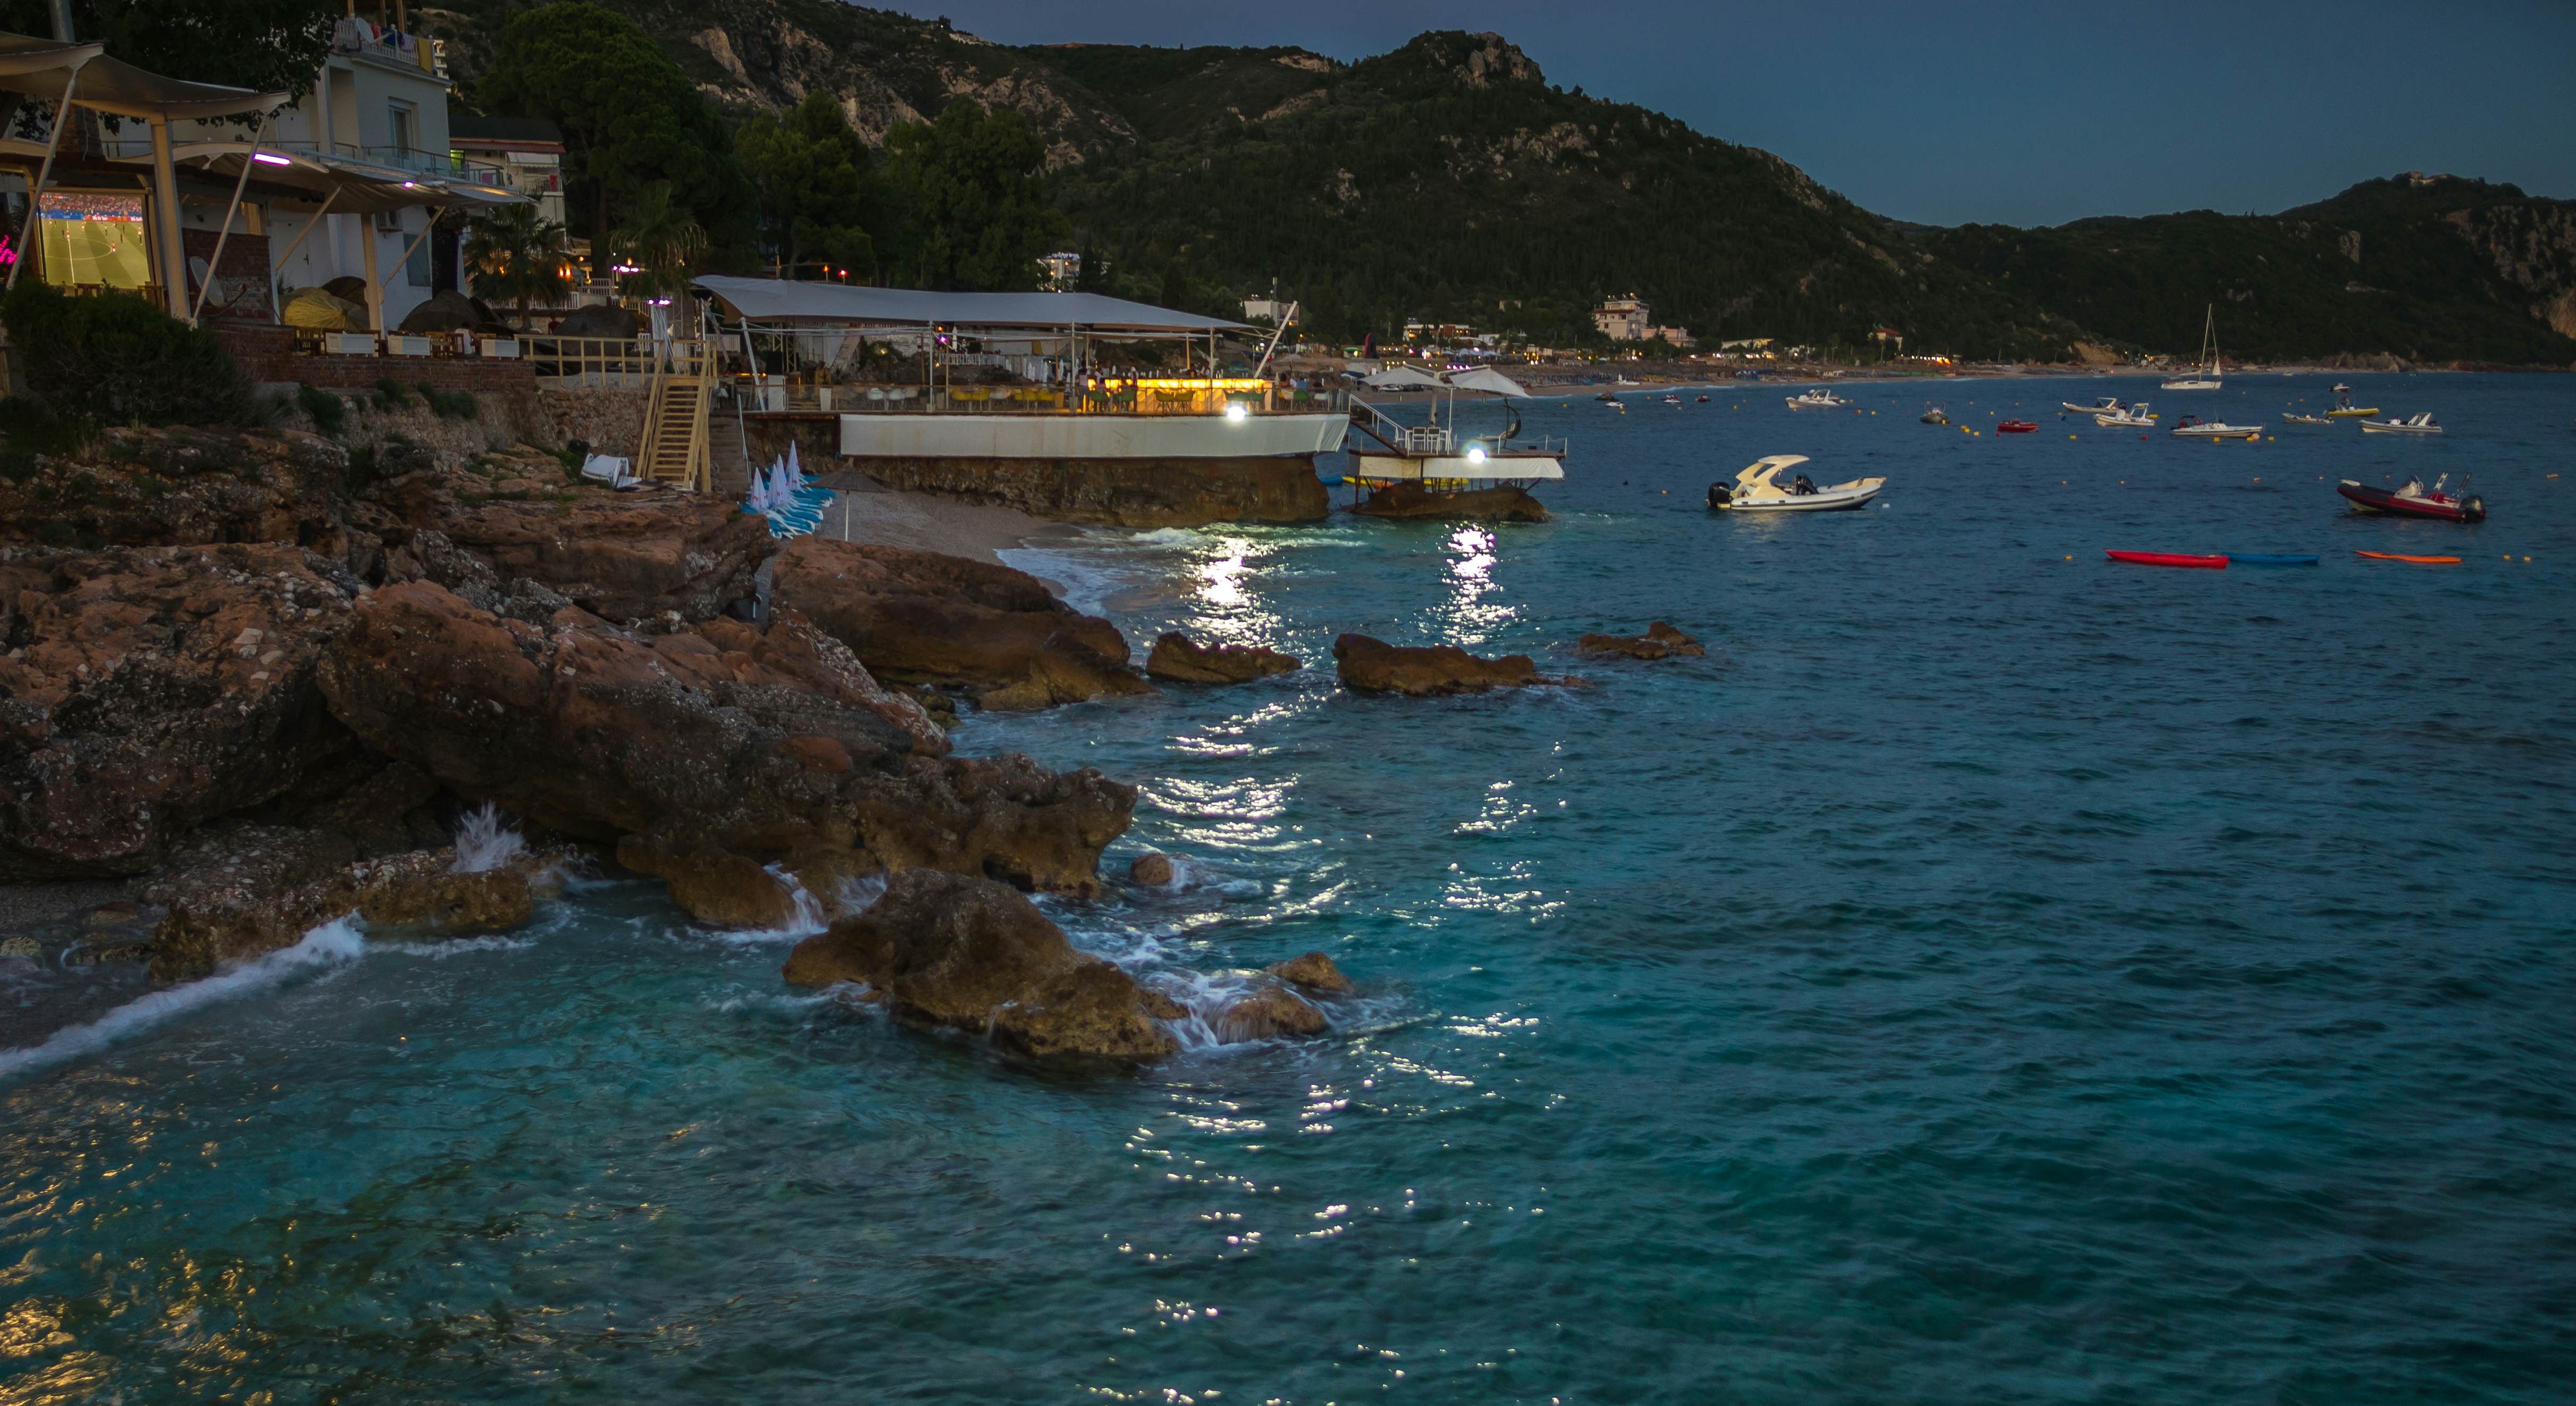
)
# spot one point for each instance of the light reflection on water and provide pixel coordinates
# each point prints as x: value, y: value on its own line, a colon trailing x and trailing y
x: 1952, y: 989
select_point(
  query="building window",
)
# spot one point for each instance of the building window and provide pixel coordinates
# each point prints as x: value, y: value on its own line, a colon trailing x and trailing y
x: 94, y: 237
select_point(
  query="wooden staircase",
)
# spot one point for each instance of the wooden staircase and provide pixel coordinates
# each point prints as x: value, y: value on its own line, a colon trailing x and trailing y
x: 675, y: 449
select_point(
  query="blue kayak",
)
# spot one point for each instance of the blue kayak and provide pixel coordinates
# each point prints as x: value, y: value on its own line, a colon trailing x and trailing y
x: 2267, y: 559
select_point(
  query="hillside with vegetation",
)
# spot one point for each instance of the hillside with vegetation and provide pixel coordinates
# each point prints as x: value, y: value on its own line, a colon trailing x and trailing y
x: 1447, y: 180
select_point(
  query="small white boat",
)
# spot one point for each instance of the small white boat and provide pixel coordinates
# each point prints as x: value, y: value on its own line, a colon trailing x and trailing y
x: 1817, y: 400
x: 2194, y: 427
x: 1935, y: 416
x: 2419, y: 423
x: 2129, y: 417
x: 1758, y: 490
x: 2293, y: 418
x: 2210, y: 370
x: 2107, y: 405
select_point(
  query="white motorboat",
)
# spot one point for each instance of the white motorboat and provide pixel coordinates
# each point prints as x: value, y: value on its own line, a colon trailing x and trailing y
x: 2107, y: 405
x: 2419, y: 423
x: 1817, y: 400
x: 2131, y: 417
x: 2294, y: 418
x: 1758, y: 490
x: 1935, y: 416
x: 2194, y: 427
x: 2211, y: 372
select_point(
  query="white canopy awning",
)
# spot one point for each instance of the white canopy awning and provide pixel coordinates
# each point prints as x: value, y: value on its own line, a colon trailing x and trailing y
x: 362, y: 188
x: 41, y: 67
x: 1402, y: 378
x: 1486, y: 378
x: 784, y: 300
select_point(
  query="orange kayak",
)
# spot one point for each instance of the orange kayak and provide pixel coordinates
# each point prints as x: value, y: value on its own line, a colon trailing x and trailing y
x: 2420, y: 561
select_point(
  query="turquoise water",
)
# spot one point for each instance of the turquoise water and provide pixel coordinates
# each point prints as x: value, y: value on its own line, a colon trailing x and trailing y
x: 1988, y: 976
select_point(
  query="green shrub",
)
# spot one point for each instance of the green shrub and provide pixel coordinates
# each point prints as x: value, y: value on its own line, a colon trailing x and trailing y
x: 451, y: 405
x: 29, y: 427
x: 391, y: 394
x: 325, y: 409
x: 114, y: 359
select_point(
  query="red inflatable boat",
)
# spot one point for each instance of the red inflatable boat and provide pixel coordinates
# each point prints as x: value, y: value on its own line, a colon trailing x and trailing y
x: 2214, y: 563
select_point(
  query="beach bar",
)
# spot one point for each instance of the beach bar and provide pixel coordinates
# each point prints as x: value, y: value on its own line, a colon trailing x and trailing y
x: 1014, y: 398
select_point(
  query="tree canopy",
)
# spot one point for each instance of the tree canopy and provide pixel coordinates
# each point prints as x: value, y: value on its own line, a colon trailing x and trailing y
x: 630, y: 118
x: 975, y: 215
x: 812, y: 172
x: 263, y: 44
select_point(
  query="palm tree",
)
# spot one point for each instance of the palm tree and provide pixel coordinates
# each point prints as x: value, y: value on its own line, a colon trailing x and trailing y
x: 659, y: 240
x: 517, y: 257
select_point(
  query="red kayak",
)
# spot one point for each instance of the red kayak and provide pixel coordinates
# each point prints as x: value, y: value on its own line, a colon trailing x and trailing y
x: 2214, y: 563
x: 2017, y: 427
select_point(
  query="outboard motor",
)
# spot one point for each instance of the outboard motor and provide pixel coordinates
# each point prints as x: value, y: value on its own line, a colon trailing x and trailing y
x: 2473, y: 509
x: 1719, y: 495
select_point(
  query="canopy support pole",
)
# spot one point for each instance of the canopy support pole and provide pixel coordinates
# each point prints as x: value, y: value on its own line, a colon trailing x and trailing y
x: 53, y: 143
x: 313, y: 223
x: 375, y: 290
x: 410, y: 249
x: 215, y: 265
x: 165, y: 222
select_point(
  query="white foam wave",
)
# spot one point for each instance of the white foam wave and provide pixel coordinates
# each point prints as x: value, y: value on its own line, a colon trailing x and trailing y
x: 1168, y: 537
x: 782, y: 1002
x: 485, y: 841
x: 333, y: 944
x: 455, y: 948
x: 1084, y: 582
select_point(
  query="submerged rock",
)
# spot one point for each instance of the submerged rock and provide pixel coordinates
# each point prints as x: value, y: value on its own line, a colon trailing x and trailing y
x: 1267, y: 1012
x: 968, y: 954
x: 1313, y: 971
x: 147, y: 690
x: 925, y: 618
x: 1177, y: 659
x: 1152, y: 870
x: 1374, y: 666
x: 1501, y: 503
x: 1660, y: 641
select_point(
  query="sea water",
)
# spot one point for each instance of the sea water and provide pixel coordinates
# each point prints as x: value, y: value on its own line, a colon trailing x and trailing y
x: 1991, y: 974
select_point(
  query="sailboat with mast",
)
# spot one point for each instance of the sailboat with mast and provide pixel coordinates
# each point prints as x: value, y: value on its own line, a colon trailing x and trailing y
x: 2208, y: 379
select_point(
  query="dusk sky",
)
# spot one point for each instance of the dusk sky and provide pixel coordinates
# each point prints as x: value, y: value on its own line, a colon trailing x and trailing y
x: 2018, y: 113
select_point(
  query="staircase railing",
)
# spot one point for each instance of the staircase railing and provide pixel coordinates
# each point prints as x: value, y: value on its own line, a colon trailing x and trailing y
x: 674, y: 448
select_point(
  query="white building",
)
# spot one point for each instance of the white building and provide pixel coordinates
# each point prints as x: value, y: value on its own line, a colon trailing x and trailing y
x: 1623, y: 319
x: 527, y: 151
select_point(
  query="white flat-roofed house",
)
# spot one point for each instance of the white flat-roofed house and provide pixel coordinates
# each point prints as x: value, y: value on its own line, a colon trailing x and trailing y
x: 1623, y: 319
x: 527, y: 152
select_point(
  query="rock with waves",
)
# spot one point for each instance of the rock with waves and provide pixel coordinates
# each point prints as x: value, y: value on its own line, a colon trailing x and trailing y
x: 1314, y: 971
x: 1660, y: 641
x: 1144, y: 493
x: 1176, y: 659
x: 925, y: 618
x: 968, y: 954
x: 1501, y: 503
x: 145, y: 691
x: 718, y: 736
x: 238, y: 890
x: 1269, y: 1011
x: 717, y: 887
x: 1153, y: 870
x: 1374, y: 666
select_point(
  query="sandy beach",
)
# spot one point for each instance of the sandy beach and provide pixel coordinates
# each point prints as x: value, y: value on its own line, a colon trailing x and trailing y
x: 869, y: 512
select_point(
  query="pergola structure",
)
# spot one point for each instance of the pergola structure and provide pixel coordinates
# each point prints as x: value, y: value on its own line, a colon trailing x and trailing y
x: 76, y: 75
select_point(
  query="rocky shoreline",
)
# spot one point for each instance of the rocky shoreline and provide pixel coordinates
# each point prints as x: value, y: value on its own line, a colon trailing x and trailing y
x: 254, y: 683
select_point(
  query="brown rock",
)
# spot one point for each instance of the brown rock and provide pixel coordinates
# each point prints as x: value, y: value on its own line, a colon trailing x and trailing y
x: 1314, y: 971
x: 1267, y: 1012
x: 714, y: 886
x: 1177, y: 659
x: 423, y: 890
x: 1502, y: 503
x: 685, y: 739
x: 1152, y: 870
x: 1124, y: 492
x: 622, y: 556
x: 968, y: 954
x: 1660, y: 641
x: 145, y: 691
x: 141, y: 487
x: 924, y: 618
x: 1375, y: 666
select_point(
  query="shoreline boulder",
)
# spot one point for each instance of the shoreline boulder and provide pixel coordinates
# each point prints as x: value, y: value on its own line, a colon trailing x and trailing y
x: 1374, y: 666
x: 928, y: 619
x: 1176, y: 659
x: 967, y: 954
x: 1501, y: 503
x: 1660, y: 641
